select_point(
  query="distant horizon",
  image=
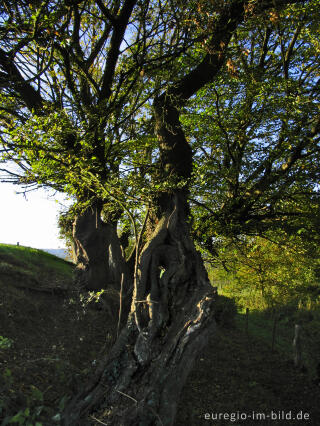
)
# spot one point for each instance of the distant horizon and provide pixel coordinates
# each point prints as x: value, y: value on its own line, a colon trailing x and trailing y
x: 61, y: 252
x: 37, y: 248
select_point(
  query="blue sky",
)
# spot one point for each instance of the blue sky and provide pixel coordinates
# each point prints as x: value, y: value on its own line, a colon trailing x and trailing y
x: 30, y: 220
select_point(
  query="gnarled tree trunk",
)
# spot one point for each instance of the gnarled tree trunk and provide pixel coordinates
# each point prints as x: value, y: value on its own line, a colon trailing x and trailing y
x: 171, y: 317
x: 98, y: 255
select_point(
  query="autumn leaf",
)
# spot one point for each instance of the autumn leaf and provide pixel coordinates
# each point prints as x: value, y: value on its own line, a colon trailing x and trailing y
x: 274, y: 17
x: 231, y: 68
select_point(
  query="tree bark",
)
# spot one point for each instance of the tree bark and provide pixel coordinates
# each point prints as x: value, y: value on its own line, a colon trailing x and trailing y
x: 170, y: 320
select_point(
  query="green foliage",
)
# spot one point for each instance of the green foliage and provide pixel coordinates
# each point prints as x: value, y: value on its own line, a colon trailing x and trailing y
x: 5, y: 342
x: 86, y: 125
x: 91, y: 111
x: 267, y: 273
x: 254, y: 131
x: 27, y: 416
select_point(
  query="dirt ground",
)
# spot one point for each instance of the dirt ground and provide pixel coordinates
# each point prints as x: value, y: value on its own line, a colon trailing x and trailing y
x: 55, y: 340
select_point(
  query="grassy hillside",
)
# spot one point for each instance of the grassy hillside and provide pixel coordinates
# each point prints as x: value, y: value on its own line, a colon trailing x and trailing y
x: 49, y: 335
x: 28, y: 267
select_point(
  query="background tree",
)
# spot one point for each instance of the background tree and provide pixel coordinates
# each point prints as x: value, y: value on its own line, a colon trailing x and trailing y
x: 269, y: 273
x: 256, y: 131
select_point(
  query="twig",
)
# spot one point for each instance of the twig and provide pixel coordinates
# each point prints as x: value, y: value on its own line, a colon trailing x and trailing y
x: 120, y: 304
x: 97, y: 420
x: 135, y: 274
x: 128, y: 396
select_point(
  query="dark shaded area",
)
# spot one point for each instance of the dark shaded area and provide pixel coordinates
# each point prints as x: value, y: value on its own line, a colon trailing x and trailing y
x: 233, y: 375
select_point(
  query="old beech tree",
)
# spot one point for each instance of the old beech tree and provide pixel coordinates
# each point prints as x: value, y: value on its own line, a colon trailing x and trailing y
x: 93, y: 94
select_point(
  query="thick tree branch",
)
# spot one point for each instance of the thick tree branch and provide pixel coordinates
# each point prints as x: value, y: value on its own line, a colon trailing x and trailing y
x: 211, y: 64
x: 30, y: 96
x: 97, y: 48
x: 114, y: 51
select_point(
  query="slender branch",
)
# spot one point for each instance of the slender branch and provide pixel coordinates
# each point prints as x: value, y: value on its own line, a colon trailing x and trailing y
x: 289, y: 52
x: 107, y: 12
x: 264, y: 49
x: 97, y: 48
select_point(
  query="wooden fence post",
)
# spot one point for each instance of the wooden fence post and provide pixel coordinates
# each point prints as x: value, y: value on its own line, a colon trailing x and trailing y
x: 297, y: 345
x: 247, y: 322
x: 275, y: 320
